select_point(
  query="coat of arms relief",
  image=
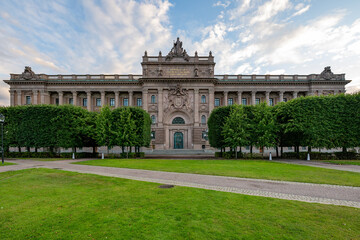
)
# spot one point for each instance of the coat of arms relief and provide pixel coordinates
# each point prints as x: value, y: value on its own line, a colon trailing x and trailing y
x: 178, y: 98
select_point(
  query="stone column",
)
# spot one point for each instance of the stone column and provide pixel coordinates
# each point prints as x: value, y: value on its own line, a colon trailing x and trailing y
x: 12, y: 98
x: 253, y: 96
x: 42, y: 97
x: 74, y: 98
x: 160, y: 107
x: 19, y: 97
x: 145, y: 99
x: 130, y: 98
x: 102, y: 98
x: 281, y: 96
x: 225, y: 98
x: 61, y: 98
x: 196, y: 106
x: 267, y: 96
x: 116, y: 99
x: 239, y: 97
x: 35, y: 97
x: 88, y: 97
x: 211, y: 100
x: 295, y: 94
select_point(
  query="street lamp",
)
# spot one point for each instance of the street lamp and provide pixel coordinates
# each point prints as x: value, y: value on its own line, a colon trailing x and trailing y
x: 2, y: 120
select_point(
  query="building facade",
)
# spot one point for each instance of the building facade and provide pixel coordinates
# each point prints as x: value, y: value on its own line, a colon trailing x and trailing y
x: 177, y: 90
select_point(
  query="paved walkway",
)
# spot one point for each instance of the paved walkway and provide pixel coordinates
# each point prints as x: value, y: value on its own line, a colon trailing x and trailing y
x: 306, y: 192
x: 351, y: 168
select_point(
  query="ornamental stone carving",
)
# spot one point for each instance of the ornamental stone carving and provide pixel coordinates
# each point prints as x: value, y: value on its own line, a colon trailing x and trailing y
x: 179, y: 99
x: 28, y: 74
x: 327, y: 74
x: 177, y: 51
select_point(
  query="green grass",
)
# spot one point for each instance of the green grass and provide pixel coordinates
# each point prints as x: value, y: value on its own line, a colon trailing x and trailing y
x: 343, y: 162
x: 6, y: 164
x: 52, y: 204
x: 240, y: 168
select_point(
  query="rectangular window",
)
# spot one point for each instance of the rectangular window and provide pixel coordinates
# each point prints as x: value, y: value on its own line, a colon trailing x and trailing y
x: 217, y: 102
x: 71, y: 101
x: 152, y: 134
x: 139, y: 102
x: 152, y: 99
x: 112, y: 102
x: 284, y: 99
x: 85, y: 102
x: 289, y: 148
x: 257, y: 101
x: 98, y: 102
x: 244, y: 101
x: 28, y: 100
x: 230, y: 101
x: 247, y: 147
x: 303, y: 148
x: 126, y: 102
x: 271, y: 102
x: 57, y: 101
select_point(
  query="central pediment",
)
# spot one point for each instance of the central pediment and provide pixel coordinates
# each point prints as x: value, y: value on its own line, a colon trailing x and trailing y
x: 178, y: 64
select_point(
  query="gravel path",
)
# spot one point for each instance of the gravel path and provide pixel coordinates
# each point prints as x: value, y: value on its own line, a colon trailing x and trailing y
x: 306, y: 192
x: 350, y: 168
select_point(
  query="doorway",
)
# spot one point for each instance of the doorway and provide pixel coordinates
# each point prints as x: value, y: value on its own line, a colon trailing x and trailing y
x: 178, y: 140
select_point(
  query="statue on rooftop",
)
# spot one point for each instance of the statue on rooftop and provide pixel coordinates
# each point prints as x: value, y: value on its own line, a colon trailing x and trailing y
x: 28, y: 74
x: 327, y: 74
x: 177, y: 51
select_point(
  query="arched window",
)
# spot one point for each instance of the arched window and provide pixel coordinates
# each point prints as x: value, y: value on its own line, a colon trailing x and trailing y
x: 178, y: 120
x: 153, y: 119
x: 203, y: 99
x: 152, y: 98
x: 203, y: 119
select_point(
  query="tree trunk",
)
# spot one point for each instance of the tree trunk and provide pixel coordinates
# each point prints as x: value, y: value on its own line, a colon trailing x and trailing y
x: 127, y: 152
x: 277, y: 151
x: 122, y: 149
x: 36, y: 149
x: 344, y: 149
x: 309, y: 149
x: 19, y: 149
x: 28, y: 149
x: 298, y: 152
x: 94, y: 151
x: 236, y: 152
x: 281, y: 150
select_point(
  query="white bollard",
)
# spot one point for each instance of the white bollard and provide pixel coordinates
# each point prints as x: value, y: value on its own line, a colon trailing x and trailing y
x: 102, y: 156
x: 270, y: 157
x: 73, y: 157
x: 308, y: 157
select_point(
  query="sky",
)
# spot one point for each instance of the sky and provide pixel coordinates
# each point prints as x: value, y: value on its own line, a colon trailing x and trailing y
x: 245, y: 36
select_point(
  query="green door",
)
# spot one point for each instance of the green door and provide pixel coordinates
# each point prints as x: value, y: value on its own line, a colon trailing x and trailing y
x: 178, y: 140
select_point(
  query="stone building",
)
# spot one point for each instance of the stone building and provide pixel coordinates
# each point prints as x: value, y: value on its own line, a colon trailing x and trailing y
x: 179, y: 92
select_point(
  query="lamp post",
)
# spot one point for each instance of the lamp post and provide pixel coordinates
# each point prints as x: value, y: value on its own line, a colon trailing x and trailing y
x: 2, y: 120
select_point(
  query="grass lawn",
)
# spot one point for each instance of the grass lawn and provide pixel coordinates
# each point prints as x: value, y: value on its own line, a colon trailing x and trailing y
x: 53, y: 204
x: 238, y: 168
x: 6, y: 163
x: 343, y: 162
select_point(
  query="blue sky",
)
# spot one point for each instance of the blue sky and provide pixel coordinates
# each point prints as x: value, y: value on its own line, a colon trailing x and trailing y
x: 245, y: 36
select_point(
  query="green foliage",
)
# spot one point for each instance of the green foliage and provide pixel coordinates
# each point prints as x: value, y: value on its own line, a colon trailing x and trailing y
x: 216, y: 123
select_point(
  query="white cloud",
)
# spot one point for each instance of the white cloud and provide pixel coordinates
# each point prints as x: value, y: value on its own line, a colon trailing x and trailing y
x: 269, y: 9
x: 222, y: 4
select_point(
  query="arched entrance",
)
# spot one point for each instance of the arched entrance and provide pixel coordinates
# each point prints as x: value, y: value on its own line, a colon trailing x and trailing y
x: 178, y: 140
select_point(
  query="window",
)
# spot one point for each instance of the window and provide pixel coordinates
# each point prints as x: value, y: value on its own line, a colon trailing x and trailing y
x: 56, y: 101
x: 303, y: 148
x: 98, y: 102
x: 271, y: 102
x: 284, y: 99
x: 247, y: 147
x: 257, y: 101
x: 289, y: 148
x: 152, y: 99
x: 204, y: 135
x: 139, y: 102
x: 112, y: 102
x: 217, y: 102
x: 126, y: 102
x: 230, y: 101
x: 152, y: 134
x: 28, y: 100
x: 85, y: 102
x: 71, y: 101
x: 203, y: 99
x: 203, y: 119
x: 244, y: 101
x: 153, y: 119
x: 178, y: 120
